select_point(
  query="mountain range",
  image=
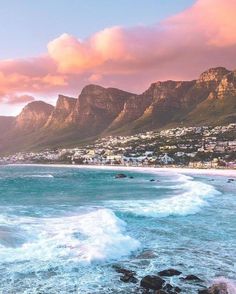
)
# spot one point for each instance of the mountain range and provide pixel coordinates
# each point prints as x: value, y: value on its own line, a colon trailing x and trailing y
x: 99, y: 111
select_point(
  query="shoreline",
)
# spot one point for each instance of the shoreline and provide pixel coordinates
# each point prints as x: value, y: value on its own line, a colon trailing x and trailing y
x: 179, y: 170
x: 129, y: 275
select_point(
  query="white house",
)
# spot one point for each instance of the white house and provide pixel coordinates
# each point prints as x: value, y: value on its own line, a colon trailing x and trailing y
x: 166, y: 159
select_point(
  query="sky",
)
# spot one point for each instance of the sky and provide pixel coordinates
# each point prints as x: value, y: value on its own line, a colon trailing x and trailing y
x: 59, y: 46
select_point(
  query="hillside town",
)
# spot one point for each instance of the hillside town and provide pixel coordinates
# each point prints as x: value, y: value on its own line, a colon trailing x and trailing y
x: 195, y: 147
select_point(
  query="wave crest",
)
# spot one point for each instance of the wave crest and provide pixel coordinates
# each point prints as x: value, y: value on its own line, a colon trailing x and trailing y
x: 193, y: 196
x: 94, y: 236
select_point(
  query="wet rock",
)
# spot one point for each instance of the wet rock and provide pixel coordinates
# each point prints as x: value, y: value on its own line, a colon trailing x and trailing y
x: 171, y: 289
x: 169, y: 272
x: 128, y: 275
x: 129, y: 279
x: 122, y: 270
x: 152, y: 180
x: 131, y: 177
x: 204, y: 291
x: 120, y: 176
x: 230, y: 180
x: 161, y: 292
x: 168, y: 287
x: 144, y: 291
x: 177, y: 289
x: 220, y: 288
x: 191, y: 278
x: 152, y: 282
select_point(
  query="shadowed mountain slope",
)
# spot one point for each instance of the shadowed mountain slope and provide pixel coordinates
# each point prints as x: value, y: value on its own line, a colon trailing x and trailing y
x: 100, y: 111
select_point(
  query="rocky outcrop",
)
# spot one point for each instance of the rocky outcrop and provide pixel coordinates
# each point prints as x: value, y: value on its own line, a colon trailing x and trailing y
x: 100, y: 111
x: 219, y: 107
x: 61, y: 115
x: 152, y: 282
x: 97, y: 107
x: 213, y: 76
x: 191, y: 278
x: 120, y: 176
x: 175, y: 102
x: 169, y: 272
x: 220, y: 288
x: 167, y: 101
x: 128, y: 276
x: 33, y: 117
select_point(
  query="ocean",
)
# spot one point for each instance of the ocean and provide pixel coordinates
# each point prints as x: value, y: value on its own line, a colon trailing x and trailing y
x: 63, y: 229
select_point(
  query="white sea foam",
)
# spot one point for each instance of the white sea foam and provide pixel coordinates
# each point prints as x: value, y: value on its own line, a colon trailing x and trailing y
x: 192, y: 196
x: 93, y: 236
x: 39, y: 176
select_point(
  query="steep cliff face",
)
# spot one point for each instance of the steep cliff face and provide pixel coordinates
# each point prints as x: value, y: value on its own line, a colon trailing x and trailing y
x: 97, y: 107
x: 212, y: 76
x: 61, y: 115
x: 156, y: 105
x: 175, y: 102
x: 227, y: 86
x: 99, y: 111
x: 167, y: 102
x: 33, y: 116
x: 220, y: 105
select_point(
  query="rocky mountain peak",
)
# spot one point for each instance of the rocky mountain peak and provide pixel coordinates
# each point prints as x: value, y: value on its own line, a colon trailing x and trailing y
x: 37, y: 107
x: 227, y: 86
x: 97, y: 107
x: 61, y: 115
x: 209, y: 100
x: 65, y: 102
x: 213, y: 74
x: 33, y: 116
x: 92, y: 88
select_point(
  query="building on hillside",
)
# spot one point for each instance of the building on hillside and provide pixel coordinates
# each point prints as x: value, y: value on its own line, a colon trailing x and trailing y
x: 166, y: 159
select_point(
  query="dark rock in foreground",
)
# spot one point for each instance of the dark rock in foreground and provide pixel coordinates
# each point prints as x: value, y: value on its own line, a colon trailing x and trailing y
x: 192, y: 278
x: 120, y: 176
x: 230, y: 180
x: 129, y: 279
x: 128, y: 275
x: 171, y: 289
x: 152, y: 282
x: 220, y: 288
x: 122, y: 270
x: 169, y: 272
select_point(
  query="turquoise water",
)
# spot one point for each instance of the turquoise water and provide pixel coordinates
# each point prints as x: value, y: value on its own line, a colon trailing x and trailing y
x: 62, y: 228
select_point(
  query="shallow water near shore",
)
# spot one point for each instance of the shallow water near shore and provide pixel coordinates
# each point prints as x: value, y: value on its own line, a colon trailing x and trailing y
x: 62, y: 229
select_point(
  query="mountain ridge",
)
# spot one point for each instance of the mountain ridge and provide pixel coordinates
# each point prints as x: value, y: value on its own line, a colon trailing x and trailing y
x: 100, y: 111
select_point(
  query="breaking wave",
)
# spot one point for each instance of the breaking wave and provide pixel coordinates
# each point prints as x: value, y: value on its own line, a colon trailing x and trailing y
x: 40, y: 176
x: 93, y: 236
x: 192, y: 197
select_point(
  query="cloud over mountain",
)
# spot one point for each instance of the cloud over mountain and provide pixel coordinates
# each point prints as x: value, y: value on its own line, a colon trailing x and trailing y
x: 178, y: 48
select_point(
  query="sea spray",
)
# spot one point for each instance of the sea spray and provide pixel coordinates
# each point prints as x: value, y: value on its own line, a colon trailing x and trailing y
x: 192, y: 196
x: 62, y: 234
x: 98, y: 235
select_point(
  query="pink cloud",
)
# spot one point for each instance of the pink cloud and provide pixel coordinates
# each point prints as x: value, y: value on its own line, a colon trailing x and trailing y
x: 15, y: 99
x: 181, y: 47
x: 213, y: 20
